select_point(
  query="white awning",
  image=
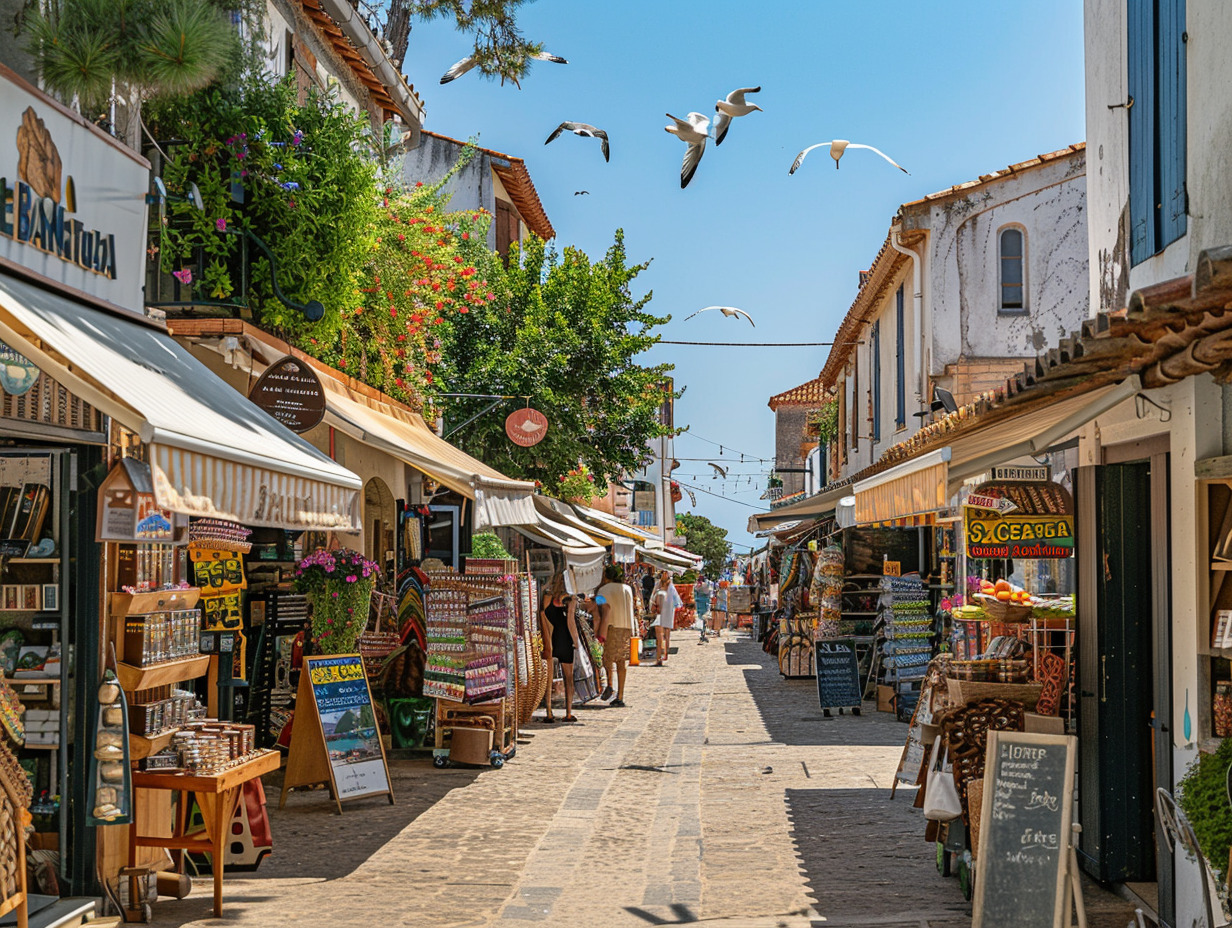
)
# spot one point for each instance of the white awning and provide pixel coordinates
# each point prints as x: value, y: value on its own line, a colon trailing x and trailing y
x: 623, y: 549
x: 666, y: 560
x: 213, y: 453
x: 614, y: 525
x: 404, y: 435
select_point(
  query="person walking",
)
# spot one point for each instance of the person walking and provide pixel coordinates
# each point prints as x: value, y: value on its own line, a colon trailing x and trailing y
x: 665, y: 601
x: 701, y: 599
x: 615, y: 631
x: 557, y: 616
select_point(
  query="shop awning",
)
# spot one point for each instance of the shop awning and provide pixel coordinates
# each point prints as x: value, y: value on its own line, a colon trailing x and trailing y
x: 814, y: 507
x: 913, y: 488
x: 212, y: 452
x: 583, y: 558
x: 667, y: 560
x: 404, y: 434
x: 610, y: 523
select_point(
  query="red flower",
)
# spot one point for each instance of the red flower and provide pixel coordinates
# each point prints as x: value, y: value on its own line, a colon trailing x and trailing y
x: 463, y: 309
x: 466, y: 236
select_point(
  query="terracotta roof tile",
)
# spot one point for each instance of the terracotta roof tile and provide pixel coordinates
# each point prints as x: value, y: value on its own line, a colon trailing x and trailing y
x: 809, y: 393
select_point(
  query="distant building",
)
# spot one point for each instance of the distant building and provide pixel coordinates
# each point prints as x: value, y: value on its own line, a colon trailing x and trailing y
x: 795, y: 434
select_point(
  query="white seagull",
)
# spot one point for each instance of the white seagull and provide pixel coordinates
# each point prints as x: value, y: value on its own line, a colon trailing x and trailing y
x: 461, y: 67
x: 734, y: 105
x: 586, y: 131
x: 693, y: 131
x: 837, y: 147
x: 728, y: 311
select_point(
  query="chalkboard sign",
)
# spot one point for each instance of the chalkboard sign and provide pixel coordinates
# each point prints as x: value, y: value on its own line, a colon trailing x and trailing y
x: 335, y: 738
x: 838, y: 674
x: 1022, y: 864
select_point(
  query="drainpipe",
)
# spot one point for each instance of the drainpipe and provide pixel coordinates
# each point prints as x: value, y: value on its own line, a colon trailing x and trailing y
x: 917, y: 310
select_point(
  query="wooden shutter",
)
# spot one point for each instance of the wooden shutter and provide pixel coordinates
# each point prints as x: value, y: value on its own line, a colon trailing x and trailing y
x: 1170, y: 88
x: 506, y: 229
x: 855, y: 404
x: 1141, y: 79
x: 900, y: 364
x: 877, y: 381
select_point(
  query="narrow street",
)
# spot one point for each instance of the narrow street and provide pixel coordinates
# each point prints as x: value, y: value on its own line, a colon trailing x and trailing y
x: 720, y: 794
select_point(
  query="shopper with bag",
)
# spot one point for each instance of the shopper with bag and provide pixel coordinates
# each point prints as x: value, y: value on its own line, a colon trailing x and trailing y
x: 665, y: 602
x: 615, y: 631
x: 557, y: 618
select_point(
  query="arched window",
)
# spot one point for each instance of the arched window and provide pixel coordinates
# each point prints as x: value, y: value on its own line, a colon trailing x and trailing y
x: 1013, y: 250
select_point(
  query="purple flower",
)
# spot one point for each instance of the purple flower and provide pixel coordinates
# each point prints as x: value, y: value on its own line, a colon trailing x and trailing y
x: 277, y: 166
x: 351, y: 578
x: 220, y: 224
x: 183, y: 275
x: 298, y: 138
x: 289, y: 185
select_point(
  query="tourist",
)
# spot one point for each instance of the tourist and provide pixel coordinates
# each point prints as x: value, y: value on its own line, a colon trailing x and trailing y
x: 557, y: 619
x: 701, y: 599
x: 665, y: 602
x: 615, y: 631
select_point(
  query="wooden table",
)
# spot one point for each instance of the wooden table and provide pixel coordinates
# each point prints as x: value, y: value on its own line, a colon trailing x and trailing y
x: 217, y: 796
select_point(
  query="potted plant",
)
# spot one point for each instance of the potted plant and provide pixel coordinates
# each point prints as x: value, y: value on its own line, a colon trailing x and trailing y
x: 577, y: 486
x: 339, y: 585
x: 1202, y: 794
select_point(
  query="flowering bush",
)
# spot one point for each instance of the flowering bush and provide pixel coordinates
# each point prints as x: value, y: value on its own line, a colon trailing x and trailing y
x: 578, y: 484
x: 339, y: 585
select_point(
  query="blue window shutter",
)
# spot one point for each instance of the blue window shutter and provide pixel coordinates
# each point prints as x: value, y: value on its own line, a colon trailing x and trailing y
x: 900, y: 365
x: 1142, y: 154
x: 877, y: 381
x: 1170, y: 84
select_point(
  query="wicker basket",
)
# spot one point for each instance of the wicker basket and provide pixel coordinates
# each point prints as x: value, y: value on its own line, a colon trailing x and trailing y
x: 965, y: 692
x: 998, y: 611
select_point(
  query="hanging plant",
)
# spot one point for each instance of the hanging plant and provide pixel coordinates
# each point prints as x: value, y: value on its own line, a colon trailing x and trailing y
x: 339, y: 585
x: 577, y: 486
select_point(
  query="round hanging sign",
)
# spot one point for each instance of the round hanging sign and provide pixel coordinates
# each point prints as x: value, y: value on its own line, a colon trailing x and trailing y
x: 290, y: 391
x: 526, y: 427
x: 17, y: 372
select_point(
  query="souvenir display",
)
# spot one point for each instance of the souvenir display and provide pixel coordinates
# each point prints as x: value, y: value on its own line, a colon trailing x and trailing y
x: 109, y: 765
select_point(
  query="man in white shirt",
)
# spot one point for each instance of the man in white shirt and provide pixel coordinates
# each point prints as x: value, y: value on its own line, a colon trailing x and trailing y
x: 615, y: 630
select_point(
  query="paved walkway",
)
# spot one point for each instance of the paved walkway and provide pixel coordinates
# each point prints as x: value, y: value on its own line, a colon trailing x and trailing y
x: 719, y: 795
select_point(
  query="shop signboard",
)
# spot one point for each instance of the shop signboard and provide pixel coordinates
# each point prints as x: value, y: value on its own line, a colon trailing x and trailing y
x: 1019, y: 520
x: 526, y: 427
x: 1024, y: 839
x: 336, y: 738
x: 72, y: 199
x: 1014, y: 473
x: 290, y: 391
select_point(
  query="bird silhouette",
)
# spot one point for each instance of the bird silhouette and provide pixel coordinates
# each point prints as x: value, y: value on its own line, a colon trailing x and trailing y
x: 585, y: 130
x: 693, y: 131
x: 581, y: 193
x: 837, y: 147
x: 733, y: 106
x: 728, y: 311
x: 719, y: 471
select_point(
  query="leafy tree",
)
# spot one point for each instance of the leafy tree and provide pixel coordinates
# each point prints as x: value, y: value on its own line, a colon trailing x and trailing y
x: 701, y: 536
x: 97, y: 51
x: 565, y: 333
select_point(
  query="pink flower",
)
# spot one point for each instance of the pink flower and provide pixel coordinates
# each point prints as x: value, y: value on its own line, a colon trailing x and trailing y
x: 183, y: 275
x: 220, y: 224
x: 352, y: 578
x: 334, y: 595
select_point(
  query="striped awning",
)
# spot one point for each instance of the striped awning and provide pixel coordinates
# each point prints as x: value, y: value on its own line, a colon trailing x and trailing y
x: 912, y: 489
x: 213, y: 453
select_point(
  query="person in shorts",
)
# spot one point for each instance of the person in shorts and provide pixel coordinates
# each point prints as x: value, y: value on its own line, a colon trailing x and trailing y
x: 701, y: 599
x: 615, y: 631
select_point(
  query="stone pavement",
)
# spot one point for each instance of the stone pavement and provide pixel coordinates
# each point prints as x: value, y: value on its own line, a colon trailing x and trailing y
x: 720, y: 795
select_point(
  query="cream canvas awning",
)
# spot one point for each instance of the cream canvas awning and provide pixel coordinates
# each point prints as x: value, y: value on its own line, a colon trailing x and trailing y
x: 404, y: 434
x: 614, y: 525
x: 212, y: 452
x: 913, y: 488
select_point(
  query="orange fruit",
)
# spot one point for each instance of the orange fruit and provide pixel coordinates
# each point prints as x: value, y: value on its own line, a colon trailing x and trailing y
x: 1003, y: 596
x: 1002, y: 585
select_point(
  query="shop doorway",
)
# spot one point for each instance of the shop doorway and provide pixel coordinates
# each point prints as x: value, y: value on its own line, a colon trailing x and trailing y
x: 444, y: 527
x: 1124, y: 669
x: 380, y: 518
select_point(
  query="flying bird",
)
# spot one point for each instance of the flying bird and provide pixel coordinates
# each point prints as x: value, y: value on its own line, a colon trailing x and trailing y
x: 837, y: 147
x: 733, y: 106
x: 581, y: 193
x: 461, y: 67
x: 586, y: 131
x: 693, y: 131
x: 728, y: 311
x: 719, y: 471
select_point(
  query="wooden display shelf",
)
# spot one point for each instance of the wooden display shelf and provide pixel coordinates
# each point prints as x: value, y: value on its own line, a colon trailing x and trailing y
x: 125, y: 604
x: 41, y: 747
x: 143, y: 678
x: 140, y: 747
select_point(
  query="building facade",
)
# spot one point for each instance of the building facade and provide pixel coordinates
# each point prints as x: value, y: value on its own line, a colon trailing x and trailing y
x: 795, y: 434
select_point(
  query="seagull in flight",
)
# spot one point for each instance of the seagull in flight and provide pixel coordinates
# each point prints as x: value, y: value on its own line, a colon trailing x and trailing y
x: 837, y: 147
x: 719, y: 471
x: 733, y: 106
x: 728, y: 311
x: 586, y: 131
x: 461, y: 67
x: 581, y: 193
x: 693, y: 131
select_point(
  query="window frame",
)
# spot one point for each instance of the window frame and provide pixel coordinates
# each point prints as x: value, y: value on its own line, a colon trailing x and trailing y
x: 1025, y: 307
x: 875, y: 348
x: 900, y: 361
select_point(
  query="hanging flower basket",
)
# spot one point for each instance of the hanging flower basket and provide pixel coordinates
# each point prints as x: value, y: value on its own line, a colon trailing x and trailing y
x: 339, y: 586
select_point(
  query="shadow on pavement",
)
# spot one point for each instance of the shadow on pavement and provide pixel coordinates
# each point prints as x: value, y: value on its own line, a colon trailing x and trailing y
x: 790, y: 711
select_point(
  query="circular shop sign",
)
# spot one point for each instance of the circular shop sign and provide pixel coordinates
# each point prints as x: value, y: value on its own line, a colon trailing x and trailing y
x: 290, y: 392
x: 526, y: 427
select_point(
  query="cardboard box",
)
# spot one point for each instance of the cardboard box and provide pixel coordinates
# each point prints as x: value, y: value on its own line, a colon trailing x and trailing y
x: 885, y: 698
x: 471, y: 745
x: 1043, y: 724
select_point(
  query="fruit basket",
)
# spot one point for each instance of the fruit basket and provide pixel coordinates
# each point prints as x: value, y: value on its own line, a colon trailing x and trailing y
x: 1000, y: 611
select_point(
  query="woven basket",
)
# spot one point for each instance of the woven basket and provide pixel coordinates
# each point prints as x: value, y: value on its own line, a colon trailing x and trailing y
x: 998, y: 611
x: 965, y: 692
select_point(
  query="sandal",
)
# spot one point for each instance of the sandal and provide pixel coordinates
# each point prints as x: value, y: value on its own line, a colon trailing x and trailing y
x: 549, y: 720
x: 570, y: 718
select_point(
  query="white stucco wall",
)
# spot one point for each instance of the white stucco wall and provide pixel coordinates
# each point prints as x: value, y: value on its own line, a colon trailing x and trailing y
x: 473, y: 187
x: 1209, y: 121
x: 963, y: 288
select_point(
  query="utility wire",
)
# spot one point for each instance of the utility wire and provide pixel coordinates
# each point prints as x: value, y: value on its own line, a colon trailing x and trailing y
x: 664, y: 341
x: 730, y: 499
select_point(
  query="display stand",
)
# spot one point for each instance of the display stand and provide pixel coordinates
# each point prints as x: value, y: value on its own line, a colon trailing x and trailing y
x: 216, y: 796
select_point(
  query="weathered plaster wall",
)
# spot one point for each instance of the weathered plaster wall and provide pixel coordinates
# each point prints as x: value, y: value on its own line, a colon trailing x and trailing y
x: 471, y: 188
x: 789, y: 422
x: 1048, y: 204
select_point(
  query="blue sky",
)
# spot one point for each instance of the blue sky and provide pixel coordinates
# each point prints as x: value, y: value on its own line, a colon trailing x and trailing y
x: 950, y: 90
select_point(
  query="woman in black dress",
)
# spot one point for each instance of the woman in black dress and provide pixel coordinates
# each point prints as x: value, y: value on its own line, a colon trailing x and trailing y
x: 557, y: 620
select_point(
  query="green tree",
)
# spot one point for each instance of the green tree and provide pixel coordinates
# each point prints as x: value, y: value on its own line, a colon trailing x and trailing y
x: 701, y: 536
x: 565, y: 333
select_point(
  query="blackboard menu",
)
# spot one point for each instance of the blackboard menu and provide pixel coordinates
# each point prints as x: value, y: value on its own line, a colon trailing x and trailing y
x: 838, y: 674
x: 1024, y: 831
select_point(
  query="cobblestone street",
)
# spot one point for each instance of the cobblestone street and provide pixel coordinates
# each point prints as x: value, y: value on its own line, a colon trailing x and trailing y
x: 720, y: 794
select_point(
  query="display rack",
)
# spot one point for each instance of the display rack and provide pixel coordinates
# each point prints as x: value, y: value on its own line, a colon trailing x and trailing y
x: 904, y: 636
x: 283, y: 615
